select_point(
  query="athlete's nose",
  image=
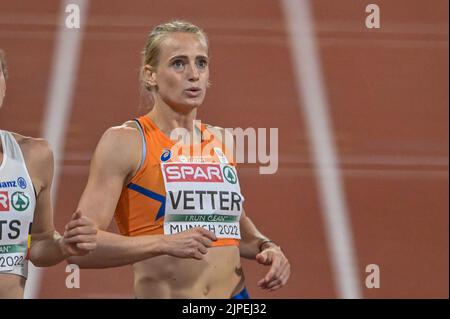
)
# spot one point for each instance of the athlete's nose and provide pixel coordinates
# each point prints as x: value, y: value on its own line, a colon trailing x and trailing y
x: 193, y: 73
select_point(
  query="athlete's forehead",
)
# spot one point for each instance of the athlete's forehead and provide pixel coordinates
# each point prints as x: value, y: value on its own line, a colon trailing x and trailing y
x: 183, y: 45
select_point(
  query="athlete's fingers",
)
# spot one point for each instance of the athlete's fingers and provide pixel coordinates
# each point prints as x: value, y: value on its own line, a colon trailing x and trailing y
x: 281, y: 269
x: 74, y: 223
x: 276, y: 263
x: 284, y: 278
x: 204, y: 241
x: 275, y: 278
x: 273, y: 269
x: 283, y: 281
x: 82, y: 221
x: 264, y: 257
x: 273, y: 283
x: 280, y: 277
x: 80, y: 239
x: 206, y: 233
x: 286, y: 272
x: 202, y: 249
x: 261, y: 258
x: 80, y: 230
x: 77, y: 215
x: 86, y: 246
x: 275, y: 287
x: 196, y: 254
x: 262, y: 284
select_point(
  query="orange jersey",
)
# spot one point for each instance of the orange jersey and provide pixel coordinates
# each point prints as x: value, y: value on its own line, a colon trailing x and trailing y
x: 177, y: 188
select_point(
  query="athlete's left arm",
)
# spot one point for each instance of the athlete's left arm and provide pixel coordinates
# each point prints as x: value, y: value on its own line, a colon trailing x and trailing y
x: 255, y: 245
x: 47, y: 245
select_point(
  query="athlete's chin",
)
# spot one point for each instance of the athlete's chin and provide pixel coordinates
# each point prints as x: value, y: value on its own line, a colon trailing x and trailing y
x: 192, y: 102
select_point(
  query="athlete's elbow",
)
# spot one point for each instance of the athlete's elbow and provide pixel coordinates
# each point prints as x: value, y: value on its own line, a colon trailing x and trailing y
x: 40, y: 260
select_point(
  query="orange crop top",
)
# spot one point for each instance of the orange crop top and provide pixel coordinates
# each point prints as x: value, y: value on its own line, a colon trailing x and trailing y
x: 178, y: 188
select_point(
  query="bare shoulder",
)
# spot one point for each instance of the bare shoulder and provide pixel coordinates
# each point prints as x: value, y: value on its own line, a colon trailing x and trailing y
x: 123, y: 137
x: 38, y: 157
x: 119, y: 149
x: 36, y: 151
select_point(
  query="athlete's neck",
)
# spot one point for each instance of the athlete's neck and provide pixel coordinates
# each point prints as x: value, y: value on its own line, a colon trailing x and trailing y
x: 167, y: 119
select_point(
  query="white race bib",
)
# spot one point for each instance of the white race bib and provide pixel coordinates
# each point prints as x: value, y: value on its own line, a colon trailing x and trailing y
x: 204, y: 195
x: 12, y: 256
x: 14, y: 240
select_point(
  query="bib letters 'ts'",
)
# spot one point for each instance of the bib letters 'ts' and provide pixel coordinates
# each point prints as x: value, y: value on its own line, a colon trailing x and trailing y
x: 204, y: 195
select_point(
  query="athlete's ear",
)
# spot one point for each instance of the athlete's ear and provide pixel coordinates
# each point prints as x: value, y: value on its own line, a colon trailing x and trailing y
x: 149, y: 75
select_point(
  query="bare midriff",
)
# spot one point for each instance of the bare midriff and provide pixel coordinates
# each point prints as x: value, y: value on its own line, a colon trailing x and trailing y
x: 218, y: 275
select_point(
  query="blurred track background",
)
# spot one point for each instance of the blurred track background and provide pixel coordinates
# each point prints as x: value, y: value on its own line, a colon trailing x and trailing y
x: 386, y: 93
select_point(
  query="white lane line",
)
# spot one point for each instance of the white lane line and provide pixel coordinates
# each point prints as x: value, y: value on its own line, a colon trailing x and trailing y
x: 310, y: 88
x: 59, y: 102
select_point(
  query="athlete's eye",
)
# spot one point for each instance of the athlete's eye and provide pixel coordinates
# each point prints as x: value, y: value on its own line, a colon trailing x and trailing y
x: 178, y: 64
x: 202, y: 63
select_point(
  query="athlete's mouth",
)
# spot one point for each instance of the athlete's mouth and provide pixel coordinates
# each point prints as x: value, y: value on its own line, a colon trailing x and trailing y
x: 194, y: 89
x: 193, y: 92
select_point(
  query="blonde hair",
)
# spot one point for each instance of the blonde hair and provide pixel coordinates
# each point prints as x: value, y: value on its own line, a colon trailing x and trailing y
x: 150, y: 54
x: 3, y: 63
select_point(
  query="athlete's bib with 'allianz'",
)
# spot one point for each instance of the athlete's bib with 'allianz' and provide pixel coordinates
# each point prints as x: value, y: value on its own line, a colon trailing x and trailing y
x: 17, y: 204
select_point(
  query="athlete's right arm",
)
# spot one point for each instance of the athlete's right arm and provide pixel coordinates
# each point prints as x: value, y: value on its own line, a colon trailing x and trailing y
x: 115, y: 159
